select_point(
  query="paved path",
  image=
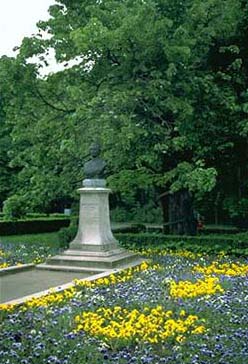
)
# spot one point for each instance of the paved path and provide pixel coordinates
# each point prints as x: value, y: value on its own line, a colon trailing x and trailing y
x: 24, y: 283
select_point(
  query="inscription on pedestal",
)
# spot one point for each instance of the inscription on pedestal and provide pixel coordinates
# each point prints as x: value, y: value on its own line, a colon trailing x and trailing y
x: 91, y: 212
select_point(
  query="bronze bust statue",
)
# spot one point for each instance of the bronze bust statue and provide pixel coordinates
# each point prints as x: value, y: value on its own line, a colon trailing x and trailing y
x: 95, y: 168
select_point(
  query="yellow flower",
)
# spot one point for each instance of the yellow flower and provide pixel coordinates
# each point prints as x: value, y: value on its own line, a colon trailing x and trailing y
x: 51, y: 298
x: 180, y: 338
x: 187, y: 289
x: 120, y: 277
x: 163, y: 252
x: 199, y: 330
x: 2, y: 253
x: 151, y: 325
x: 6, y: 307
x: 228, y: 269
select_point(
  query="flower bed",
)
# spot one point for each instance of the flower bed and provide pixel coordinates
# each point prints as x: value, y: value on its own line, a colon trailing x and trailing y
x: 16, y: 254
x: 177, y: 308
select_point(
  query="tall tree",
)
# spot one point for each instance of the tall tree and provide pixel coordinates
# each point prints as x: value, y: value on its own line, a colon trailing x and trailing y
x: 147, y: 86
x: 36, y: 134
x: 7, y: 172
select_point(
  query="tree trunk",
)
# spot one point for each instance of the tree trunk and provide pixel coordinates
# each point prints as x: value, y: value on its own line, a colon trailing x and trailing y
x: 181, y: 216
x: 216, y: 209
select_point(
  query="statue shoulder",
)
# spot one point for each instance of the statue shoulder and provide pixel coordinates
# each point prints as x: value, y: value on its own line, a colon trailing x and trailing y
x: 95, y: 168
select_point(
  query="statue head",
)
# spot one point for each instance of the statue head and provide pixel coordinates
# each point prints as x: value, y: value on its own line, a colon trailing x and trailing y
x: 95, y: 150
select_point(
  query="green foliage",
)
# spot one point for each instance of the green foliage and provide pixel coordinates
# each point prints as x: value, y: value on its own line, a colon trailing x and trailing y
x: 66, y: 235
x: 120, y: 214
x: 40, y: 216
x: 32, y: 226
x: 236, y: 207
x: 14, y: 207
x: 7, y: 174
x: 36, y: 215
x: 162, y: 84
x: 43, y: 239
x: 147, y: 213
x: 236, y: 245
x: 193, y: 178
x: 36, y: 144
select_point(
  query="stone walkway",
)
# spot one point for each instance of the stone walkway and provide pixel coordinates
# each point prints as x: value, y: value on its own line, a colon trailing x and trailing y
x: 17, y: 285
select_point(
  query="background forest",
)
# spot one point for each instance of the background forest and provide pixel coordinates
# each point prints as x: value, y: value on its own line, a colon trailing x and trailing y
x: 162, y: 84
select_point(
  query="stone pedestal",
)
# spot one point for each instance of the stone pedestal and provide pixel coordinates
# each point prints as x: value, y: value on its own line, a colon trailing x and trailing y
x: 94, y: 248
x: 94, y: 232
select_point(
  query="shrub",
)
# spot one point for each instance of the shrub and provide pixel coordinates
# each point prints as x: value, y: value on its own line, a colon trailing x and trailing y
x: 66, y: 235
x: 14, y: 207
x: 139, y: 213
x: 236, y: 245
x: 32, y: 226
x: 38, y: 215
x: 119, y: 214
x: 147, y: 214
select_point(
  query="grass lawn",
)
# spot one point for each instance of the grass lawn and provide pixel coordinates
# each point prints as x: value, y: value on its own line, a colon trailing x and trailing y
x: 49, y: 239
x: 180, y: 308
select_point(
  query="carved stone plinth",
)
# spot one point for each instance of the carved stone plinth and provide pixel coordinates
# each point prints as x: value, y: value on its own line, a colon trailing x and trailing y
x: 94, y: 248
x: 94, y: 232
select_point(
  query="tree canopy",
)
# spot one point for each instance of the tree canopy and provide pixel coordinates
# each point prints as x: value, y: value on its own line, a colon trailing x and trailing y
x: 161, y: 83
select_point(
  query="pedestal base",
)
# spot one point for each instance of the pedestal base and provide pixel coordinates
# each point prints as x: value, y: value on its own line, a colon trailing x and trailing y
x: 91, y: 263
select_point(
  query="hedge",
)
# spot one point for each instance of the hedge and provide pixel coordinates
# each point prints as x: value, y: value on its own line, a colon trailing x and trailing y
x: 33, y: 226
x: 220, y: 230
x: 236, y: 245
